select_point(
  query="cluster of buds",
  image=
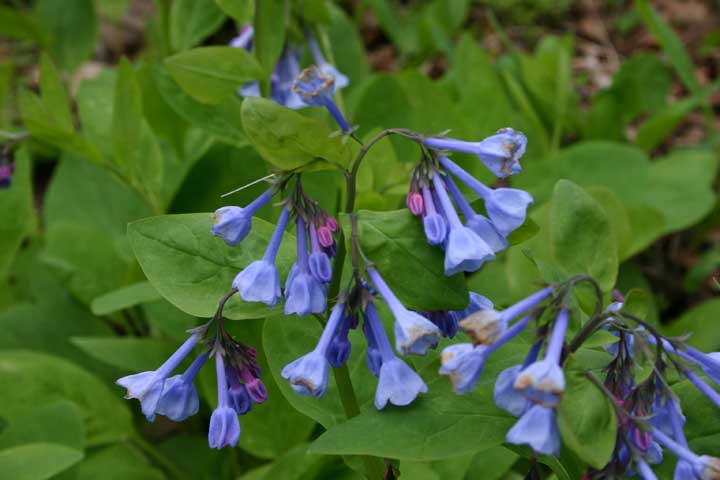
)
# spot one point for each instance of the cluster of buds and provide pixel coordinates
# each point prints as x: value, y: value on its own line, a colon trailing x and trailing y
x: 469, y: 244
x: 238, y: 382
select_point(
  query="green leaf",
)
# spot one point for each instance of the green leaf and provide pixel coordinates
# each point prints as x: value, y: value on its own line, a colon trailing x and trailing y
x: 637, y: 302
x: 586, y: 418
x: 191, y: 455
x: 53, y: 94
x: 117, y: 462
x: 701, y: 321
x: 29, y: 378
x: 72, y: 27
x: 127, y: 354
x: 18, y: 24
x: 395, y: 243
x: 58, y: 422
x: 37, y: 461
x: 242, y: 11
x: 347, y: 46
x: 210, y: 74
x: 123, y: 298
x: 580, y: 235
x: 657, y: 128
x: 288, y: 139
x: 191, y: 21
x: 223, y: 120
x: 270, y: 23
x: 16, y: 210
x: 193, y: 269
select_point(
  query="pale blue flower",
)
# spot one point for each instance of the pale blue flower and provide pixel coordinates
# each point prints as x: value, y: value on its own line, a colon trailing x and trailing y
x: 537, y: 427
x: 233, y: 224
x: 433, y: 222
x: 304, y: 294
x: 341, y: 81
x: 315, y: 88
x: 179, y: 399
x: 224, y: 428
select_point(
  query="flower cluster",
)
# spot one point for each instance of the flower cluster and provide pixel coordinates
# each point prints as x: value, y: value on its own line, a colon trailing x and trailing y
x: 238, y: 383
x: 306, y: 284
x: 469, y: 244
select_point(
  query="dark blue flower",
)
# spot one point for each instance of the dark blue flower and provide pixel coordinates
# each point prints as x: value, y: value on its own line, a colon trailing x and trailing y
x: 537, y: 427
x: 398, y: 384
x: 339, y: 350
x: 224, y: 428
x: 233, y: 224
x: 239, y: 398
x: 413, y: 332
x: 179, y: 399
x: 500, y: 152
x: 148, y: 386
x: 319, y: 261
x: 260, y: 281
x: 304, y: 294
x: 372, y: 354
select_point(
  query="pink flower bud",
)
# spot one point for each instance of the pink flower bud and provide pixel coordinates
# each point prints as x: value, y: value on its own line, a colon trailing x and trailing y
x: 325, y: 236
x: 332, y: 224
x: 414, y: 202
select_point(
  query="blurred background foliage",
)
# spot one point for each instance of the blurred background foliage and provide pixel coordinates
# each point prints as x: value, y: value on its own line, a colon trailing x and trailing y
x: 619, y: 97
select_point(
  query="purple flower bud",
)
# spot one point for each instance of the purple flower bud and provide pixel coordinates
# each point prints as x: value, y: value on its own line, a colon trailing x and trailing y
x: 148, y: 386
x: 415, y: 203
x: 260, y: 281
x: 447, y: 322
x: 537, y: 427
x: 339, y: 350
x: 179, y: 399
x: 325, y: 236
x: 319, y: 261
x: 233, y: 224
x: 256, y: 390
x: 500, y: 152
x: 224, y: 428
x: 433, y: 223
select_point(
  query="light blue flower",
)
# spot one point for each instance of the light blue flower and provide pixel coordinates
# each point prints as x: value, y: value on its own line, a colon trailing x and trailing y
x: 644, y: 470
x: 372, y: 354
x: 308, y: 375
x: 500, y: 152
x: 507, y: 207
x: 413, y: 332
x: 537, y: 427
x: 148, y: 386
x: 260, y: 281
x: 505, y: 395
x: 224, y: 428
x: 304, y: 294
x: 433, y: 222
x: 179, y: 399
x: 233, y: 224
x: 476, y: 303
x: 319, y: 260
x: 316, y: 89
x: 341, y: 81
x: 705, y: 467
x: 463, y: 363
x: 398, y: 384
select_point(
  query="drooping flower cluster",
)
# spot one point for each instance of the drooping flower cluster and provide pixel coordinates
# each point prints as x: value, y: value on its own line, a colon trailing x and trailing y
x: 238, y: 383
x: 470, y: 243
x: 306, y: 285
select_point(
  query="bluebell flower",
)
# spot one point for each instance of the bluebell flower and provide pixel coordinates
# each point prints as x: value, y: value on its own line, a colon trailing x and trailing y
x: 479, y: 224
x: 398, y: 384
x: 339, y: 350
x: 433, y: 222
x: 537, y: 427
x: 179, y: 399
x: 413, y: 332
x: 476, y: 303
x: 244, y: 39
x: 148, y: 386
x: 465, y: 251
x: 233, y: 224
x: 504, y: 393
x: 485, y: 325
x: 308, y: 375
x: 304, y: 294
x: 254, y: 386
x: 464, y: 362
x: 543, y: 381
x: 319, y: 261
x: 260, y: 281
x: 507, y: 207
x: 224, y: 428
x: 703, y: 386
x: 372, y: 354
x: 704, y: 467
x: 644, y: 470
x: 500, y: 152
x: 446, y: 321
x: 239, y: 398
x: 316, y: 89
x: 341, y: 81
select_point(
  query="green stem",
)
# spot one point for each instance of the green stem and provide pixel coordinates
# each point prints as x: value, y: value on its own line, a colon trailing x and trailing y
x: 158, y: 457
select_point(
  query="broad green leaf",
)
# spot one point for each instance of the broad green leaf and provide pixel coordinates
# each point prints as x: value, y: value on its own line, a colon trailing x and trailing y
x: 123, y: 298
x: 53, y: 94
x: 72, y: 27
x: 223, y: 120
x: 58, y: 422
x: 37, y: 461
x: 191, y: 21
x: 586, y: 418
x: 242, y: 11
x: 95, y: 98
x: 395, y: 243
x: 191, y: 454
x: 16, y: 210
x: 490, y: 464
x: 637, y: 302
x: 619, y: 219
x: 701, y: 322
x: 127, y: 353
x: 580, y: 235
x: 117, y: 462
x: 270, y: 23
x: 29, y: 378
x: 347, y: 46
x: 211, y: 74
x: 316, y: 11
x: 289, y: 140
x: 193, y: 269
